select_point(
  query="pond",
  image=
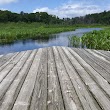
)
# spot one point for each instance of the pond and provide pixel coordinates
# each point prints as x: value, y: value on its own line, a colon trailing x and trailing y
x: 60, y: 39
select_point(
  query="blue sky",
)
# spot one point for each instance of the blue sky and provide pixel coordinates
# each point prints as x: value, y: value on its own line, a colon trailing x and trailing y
x: 61, y: 8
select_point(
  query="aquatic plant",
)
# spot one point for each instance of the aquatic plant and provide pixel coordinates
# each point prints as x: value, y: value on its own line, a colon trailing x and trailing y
x: 75, y: 41
x: 97, y: 40
x: 94, y: 40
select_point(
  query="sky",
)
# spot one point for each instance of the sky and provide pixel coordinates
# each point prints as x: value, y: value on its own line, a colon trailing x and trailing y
x: 60, y: 8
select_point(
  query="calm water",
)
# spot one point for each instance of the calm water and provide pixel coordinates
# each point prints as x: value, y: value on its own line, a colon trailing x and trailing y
x: 60, y: 39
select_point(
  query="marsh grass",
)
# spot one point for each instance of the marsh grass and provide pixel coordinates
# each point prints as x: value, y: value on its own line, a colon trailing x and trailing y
x: 11, y: 32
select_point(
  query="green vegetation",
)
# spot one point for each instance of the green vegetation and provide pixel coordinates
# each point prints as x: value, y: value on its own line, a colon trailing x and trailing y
x: 8, y: 16
x: 96, y: 18
x: 10, y: 32
x: 20, y: 26
x: 75, y: 41
x: 93, y: 40
x: 97, y: 39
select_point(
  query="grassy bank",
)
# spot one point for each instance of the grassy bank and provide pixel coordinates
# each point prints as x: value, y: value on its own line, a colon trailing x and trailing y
x: 94, y: 40
x: 11, y: 32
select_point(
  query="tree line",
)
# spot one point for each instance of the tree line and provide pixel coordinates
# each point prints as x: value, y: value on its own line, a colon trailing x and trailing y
x: 96, y: 18
x: 8, y: 16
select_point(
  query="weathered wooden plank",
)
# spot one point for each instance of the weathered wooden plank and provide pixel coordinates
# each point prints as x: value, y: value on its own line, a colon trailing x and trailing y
x: 68, y: 91
x: 1, y: 56
x: 39, y: 98
x: 107, y: 53
x: 23, y: 100
x: 102, y: 55
x: 97, y: 61
x: 95, y: 90
x: 10, y: 66
x: 107, y: 63
x: 94, y: 65
x: 5, y: 58
x: 55, y: 79
x: 9, y: 61
x: 13, y: 91
x: 96, y: 76
x: 55, y: 101
x: 12, y: 74
x: 84, y: 95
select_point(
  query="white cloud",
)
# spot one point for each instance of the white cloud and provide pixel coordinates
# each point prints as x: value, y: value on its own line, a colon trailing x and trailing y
x: 3, y: 9
x: 6, y: 1
x: 71, y: 10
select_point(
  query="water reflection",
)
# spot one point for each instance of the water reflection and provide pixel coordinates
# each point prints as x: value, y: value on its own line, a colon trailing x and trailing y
x: 60, y: 39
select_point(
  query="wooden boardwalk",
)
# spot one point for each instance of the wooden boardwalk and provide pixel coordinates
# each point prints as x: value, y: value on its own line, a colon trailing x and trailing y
x: 55, y: 78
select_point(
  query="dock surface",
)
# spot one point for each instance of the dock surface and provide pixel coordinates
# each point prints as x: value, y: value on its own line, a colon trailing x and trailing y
x: 55, y: 78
